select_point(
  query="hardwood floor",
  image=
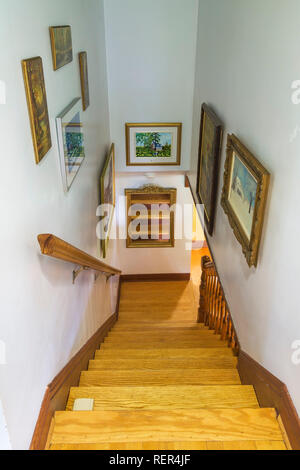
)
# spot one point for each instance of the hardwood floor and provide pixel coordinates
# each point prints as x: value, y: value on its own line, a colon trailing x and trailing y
x: 161, y: 381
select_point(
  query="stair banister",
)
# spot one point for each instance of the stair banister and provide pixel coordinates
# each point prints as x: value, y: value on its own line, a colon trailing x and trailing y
x: 214, y: 311
x: 56, y: 248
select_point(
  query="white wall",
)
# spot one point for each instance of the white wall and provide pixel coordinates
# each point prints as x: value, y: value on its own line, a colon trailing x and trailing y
x: 248, y: 57
x: 151, y: 47
x: 44, y: 318
x: 154, y: 260
x: 4, y: 437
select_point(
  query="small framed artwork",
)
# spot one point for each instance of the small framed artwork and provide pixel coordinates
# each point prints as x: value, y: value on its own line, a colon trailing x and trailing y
x: 70, y: 142
x: 61, y: 44
x: 108, y: 196
x: 153, y: 144
x: 211, y: 132
x: 244, y: 196
x: 37, y: 106
x: 84, y: 77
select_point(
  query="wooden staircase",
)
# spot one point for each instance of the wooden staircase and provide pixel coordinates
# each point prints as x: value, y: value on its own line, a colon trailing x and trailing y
x: 162, y: 381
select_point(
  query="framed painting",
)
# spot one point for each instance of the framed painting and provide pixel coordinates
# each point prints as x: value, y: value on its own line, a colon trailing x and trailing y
x: 211, y: 132
x: 37, y: 106
x: 84, y: 78
x: 108, y: 196
x: 61, y: 44
x: 244, y: 196
x: 153, y: 144
x: 70, y: 142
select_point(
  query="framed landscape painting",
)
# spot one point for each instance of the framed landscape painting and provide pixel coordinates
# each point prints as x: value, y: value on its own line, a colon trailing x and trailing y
x: 37, y: 106
x: 153, y: 144
x: 244, y: 196
x: 84, y: 78
x: 70, y: 142
x: 61, y: 44
x: 108, y: 196
x: 211, y: 132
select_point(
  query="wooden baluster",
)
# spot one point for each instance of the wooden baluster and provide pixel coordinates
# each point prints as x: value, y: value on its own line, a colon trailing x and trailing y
x: 230, y: 331
x: 203, y: 289
x: 212, y: 294
x: 225, y: 324
x: 223, y: 316
x: 219, y: 313
x: 211, y: 281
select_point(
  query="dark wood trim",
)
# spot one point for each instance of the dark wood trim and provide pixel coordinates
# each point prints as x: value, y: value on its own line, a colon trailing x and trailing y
x: 155, y: 277
x: 57, y: 392
x: 271, y: 392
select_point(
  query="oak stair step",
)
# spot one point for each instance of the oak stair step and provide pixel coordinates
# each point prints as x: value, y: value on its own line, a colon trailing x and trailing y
x: 92, y: 427
x: 170, y: 335
x: 108, y: 378
x: 209, y: 445
x: 158, y: 364
x: 177, y: 326
x: 212, y: 342
x: 192, y: 353
x: 166, y: 398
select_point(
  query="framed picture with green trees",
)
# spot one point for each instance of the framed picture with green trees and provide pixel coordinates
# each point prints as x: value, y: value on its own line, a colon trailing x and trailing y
x: 153, y: 144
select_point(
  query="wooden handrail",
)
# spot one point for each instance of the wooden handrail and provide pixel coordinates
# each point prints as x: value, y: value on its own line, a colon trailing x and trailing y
x: 214, y: 311
x: 56, y: 248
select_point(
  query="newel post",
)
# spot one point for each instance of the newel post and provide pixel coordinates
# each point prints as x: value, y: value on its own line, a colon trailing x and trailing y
x: 202, y: 307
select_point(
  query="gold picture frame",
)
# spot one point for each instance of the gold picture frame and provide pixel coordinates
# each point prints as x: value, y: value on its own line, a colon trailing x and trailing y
x: 244, y: 196
x: 61, y: 45
x: 37, y: 106
x: 84, y: 78
x: 210, y: 143
x: 153, y: 144
x: 108, y: 196
x: 145, y: 197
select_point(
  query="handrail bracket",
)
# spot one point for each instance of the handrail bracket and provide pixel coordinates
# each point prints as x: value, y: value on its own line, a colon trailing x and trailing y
x: 79, y: 270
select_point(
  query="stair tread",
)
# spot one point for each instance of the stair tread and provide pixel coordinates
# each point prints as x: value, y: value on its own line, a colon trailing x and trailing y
x: 181, y: 425
x: 171, y: 353
x: 167, y: 343
x: 208, y: 445
x: 160, y: 377
x: 160, y: 335
x: 157, y: 364
x: 177, y: 326
x: 166, y: 398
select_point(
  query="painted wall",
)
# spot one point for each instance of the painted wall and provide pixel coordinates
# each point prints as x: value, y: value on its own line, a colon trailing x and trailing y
x: 151, y: 49
x: 247, y: 58
x: 154, y: 260
x: 44, y: 318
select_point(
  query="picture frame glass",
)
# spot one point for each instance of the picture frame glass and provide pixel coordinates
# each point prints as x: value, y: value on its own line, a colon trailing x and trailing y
x: 210, y: 142
x: 61, y: 43
x: 70, y: 142
x: 153, y: 144
x: 207, y: 164
x: 242, y: 193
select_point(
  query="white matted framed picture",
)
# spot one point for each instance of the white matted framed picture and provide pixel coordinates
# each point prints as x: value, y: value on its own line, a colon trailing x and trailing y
x: 70, y: 142
x: 153, y: 144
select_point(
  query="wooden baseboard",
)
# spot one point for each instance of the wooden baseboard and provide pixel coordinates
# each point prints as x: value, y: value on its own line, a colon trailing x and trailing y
x: 57, y: 392
x: 271, y: 392
x: 155, y: 277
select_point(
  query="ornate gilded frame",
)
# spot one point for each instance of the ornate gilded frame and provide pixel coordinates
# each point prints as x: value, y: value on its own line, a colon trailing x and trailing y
x: 262, y: 176
x: 84, y: 79
x: 151, y: 191
x: 176, y: 125
x: 209, y: 216
x: 33, y: 74
x: 111, y: 155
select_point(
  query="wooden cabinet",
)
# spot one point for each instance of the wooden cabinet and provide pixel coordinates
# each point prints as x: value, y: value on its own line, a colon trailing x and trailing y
x: 150, y: 217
